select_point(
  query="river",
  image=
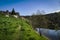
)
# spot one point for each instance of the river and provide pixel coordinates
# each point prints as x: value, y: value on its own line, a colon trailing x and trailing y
x: 51, y: 34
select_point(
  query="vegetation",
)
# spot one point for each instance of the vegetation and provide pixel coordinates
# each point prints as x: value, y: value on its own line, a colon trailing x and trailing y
x: 50, y: 21
x: 13, y: 12
x: 12, y: 28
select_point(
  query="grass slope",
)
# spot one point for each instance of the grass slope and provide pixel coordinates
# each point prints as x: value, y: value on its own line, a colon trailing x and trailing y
x: 17, y: 29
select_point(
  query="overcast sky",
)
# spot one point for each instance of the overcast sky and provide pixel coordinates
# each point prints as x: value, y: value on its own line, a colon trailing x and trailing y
x: 27, y: 7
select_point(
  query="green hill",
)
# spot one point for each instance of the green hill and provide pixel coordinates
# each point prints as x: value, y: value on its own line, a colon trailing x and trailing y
x: 12, y: 28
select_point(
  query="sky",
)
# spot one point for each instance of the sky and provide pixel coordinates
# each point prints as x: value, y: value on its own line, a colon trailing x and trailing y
x: 28, y: 7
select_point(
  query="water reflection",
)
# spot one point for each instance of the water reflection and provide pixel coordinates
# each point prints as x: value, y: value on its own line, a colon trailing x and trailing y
x: 51, y: 34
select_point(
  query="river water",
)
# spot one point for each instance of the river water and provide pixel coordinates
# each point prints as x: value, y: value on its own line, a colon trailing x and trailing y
x: 51, y: 34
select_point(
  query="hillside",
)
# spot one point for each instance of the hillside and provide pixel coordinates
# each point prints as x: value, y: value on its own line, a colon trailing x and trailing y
x: 12, y: 28
x: 50, y: 21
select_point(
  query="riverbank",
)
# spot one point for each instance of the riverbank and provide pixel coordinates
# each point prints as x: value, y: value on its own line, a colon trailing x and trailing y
x: 45, y: 37
x: 50, y: 34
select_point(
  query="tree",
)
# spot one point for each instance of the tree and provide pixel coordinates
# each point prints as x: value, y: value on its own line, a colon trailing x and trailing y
x: 13, y: 12
x: 38, y: 12
x: 7, y: 12
x: 39, y: 20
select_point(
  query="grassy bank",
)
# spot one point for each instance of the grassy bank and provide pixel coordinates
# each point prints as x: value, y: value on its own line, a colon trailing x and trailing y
x: 12, y: 28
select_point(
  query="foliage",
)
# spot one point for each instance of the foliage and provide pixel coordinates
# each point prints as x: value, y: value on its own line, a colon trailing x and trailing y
x: 13, y: 12
x: 51, y: 21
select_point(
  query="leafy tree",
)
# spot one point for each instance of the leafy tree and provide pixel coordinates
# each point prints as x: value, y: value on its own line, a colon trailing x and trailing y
x: 39, y: 20
x: 7, y: 12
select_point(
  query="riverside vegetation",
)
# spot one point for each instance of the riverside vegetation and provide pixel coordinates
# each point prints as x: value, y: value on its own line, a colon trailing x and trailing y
x: 49, y: 21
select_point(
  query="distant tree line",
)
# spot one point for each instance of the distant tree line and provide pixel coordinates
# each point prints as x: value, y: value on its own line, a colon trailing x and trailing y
x: 51, y: 21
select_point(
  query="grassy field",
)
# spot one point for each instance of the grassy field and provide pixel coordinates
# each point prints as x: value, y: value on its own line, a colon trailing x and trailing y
x: 12, y: 28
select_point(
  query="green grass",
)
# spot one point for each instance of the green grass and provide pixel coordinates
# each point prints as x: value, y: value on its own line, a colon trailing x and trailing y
x: 17, y: 29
